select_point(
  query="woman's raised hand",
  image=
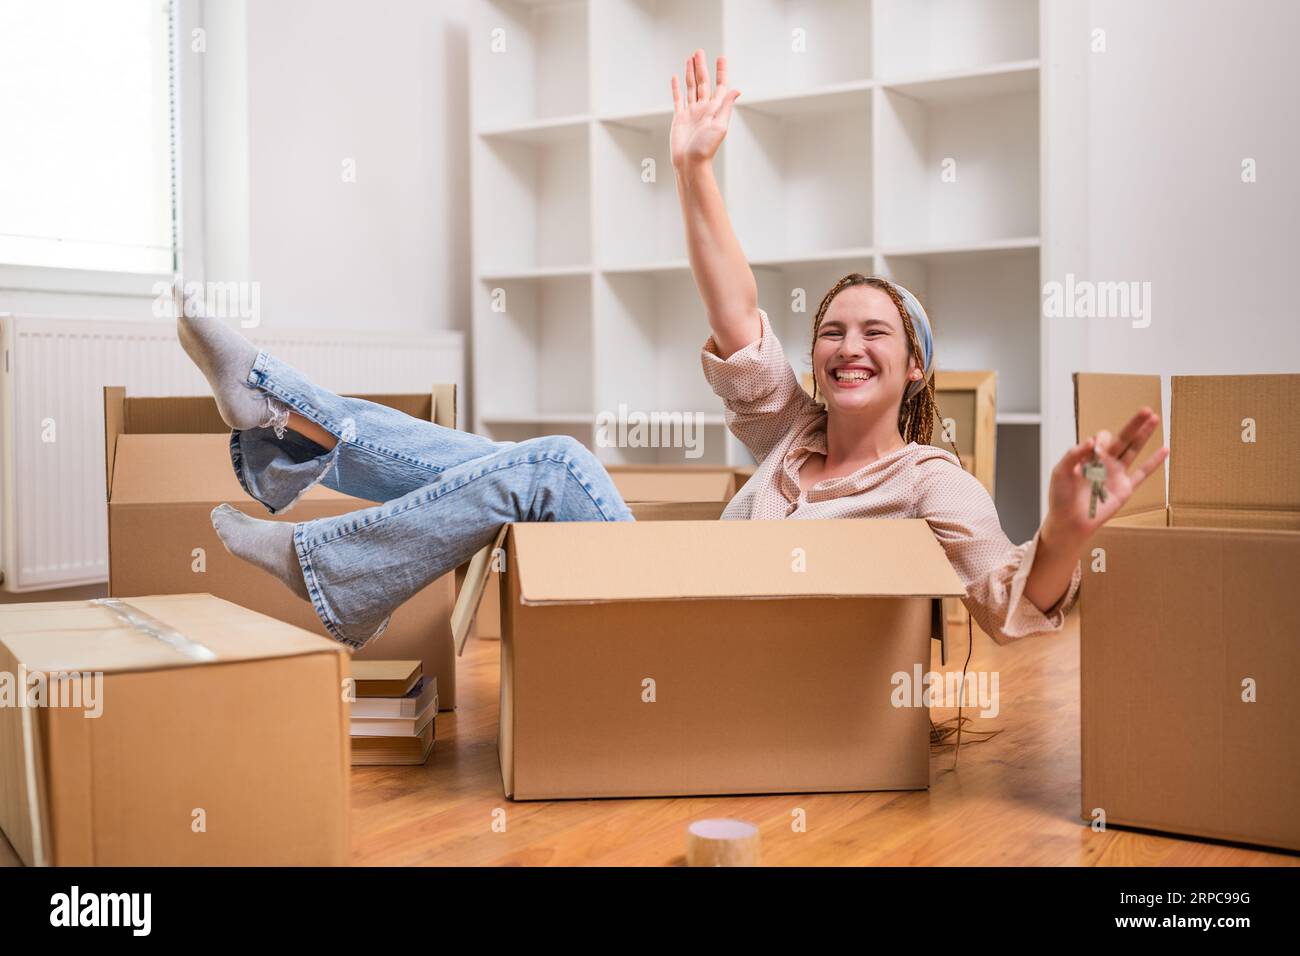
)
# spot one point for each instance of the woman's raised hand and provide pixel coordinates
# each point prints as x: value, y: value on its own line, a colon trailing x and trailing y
x: 700, y: 118
x: 1070, y: 493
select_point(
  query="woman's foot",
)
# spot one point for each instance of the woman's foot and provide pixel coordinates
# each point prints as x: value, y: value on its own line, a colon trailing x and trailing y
x: 267, y: 544
x: 225, y: 358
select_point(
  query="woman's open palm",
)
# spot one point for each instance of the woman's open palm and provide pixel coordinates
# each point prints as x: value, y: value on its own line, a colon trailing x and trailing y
x: 700, y: 118
x: 1070, y: 493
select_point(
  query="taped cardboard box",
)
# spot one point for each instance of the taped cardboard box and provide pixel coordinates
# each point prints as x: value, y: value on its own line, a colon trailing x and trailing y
x: 677, y: 657
x: 204, y: 711
x: 167, y: 465
x: 1190, y: 631
x: 643, y: 484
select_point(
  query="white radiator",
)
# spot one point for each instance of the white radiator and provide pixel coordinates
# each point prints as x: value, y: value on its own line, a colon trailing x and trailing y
x: 51, y: 386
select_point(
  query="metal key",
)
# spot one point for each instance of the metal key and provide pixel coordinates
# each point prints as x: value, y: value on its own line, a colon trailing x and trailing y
x: 1095, y: 472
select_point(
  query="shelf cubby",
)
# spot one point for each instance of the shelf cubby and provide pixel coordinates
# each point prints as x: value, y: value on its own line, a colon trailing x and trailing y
x: 638, y: 216
x: 529, y: 61
x: 635, y: 76
x: 960, y: 160
x: 1016, y: 489
x: 650, y: 328
x: 778, y: 47
x: 804, y: 168
x: 984, y: 308
x: 532, y: 200
x: 918, y: 37
x: 534, y: 359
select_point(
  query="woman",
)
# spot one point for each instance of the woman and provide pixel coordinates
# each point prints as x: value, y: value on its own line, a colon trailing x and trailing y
x: 447, y: 492
x: 866, y: 454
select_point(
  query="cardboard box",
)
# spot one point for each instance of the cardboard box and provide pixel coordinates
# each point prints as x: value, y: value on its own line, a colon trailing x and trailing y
x: 968, y: 405
x: 638, y: 483
x: 642, y: 484
x: 1188, y: 606
x: 968, y: 402
x: 766, y: 679
x: 221, y: 737
x: 167, y: 465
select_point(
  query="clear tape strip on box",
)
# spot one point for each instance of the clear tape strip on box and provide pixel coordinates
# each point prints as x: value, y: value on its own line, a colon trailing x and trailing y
x: 156, y: 628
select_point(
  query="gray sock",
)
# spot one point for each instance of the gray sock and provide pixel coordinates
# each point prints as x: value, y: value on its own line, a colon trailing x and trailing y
x: 225, y: 358
x: 267, y: 544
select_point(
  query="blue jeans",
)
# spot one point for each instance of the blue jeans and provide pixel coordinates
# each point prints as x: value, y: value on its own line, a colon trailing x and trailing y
x: 446, y: 494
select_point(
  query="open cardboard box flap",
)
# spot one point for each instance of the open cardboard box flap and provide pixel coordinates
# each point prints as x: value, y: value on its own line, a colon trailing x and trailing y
x: 1216, y: 476
x: 181, y: 469
x: 472, y: 586
x: 1104, y: 400
x: 661, y: 560
x: 92, y: 637
x: 1211, y: 463
x: 700, y: 560
x: 172, y: 416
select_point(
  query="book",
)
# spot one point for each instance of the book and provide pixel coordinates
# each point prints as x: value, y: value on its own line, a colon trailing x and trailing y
x: 414, y: 703
x: 385, y: 678
x: 392, y: 751
x: 394, y: 726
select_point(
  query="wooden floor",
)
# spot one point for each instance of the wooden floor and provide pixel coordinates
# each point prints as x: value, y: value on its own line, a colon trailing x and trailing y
x: 1013, y: 800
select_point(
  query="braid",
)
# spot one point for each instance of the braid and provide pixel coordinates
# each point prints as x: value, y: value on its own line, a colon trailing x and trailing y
x: 917, y: 415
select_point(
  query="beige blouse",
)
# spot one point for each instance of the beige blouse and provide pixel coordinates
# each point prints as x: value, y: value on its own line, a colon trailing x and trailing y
x: 781, y: 425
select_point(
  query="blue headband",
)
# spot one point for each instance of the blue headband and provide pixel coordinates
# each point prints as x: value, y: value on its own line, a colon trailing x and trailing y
x: 921, y: 322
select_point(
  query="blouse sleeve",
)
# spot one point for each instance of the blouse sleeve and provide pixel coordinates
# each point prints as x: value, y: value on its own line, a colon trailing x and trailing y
x: 965, y: 521
x: 758, y: 388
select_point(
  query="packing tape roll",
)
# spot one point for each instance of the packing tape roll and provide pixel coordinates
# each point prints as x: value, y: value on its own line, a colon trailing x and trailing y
x: 721, y: 843
x: 141, y: 621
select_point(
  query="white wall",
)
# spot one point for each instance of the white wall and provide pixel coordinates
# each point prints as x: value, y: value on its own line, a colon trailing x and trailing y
x: 216, y: 213
x: 1141, y: 176
x: 1147, y: 156
x: 384, y: 85
x: 285, y: 91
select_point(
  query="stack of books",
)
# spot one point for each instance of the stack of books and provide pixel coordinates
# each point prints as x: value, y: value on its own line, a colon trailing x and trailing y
x: 393, y: 714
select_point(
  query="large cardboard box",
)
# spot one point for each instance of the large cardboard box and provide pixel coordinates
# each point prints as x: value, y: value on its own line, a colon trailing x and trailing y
x: 212, y: 736
x: 1190, y: 630
x: 643, y: 484
x: 167, y: 464
x: 676, y: 657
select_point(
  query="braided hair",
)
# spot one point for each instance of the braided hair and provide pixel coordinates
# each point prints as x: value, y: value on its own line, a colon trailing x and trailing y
x: 916, y: 415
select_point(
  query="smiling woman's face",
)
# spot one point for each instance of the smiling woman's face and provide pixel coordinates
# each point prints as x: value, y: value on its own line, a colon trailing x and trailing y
x: 861, y: 356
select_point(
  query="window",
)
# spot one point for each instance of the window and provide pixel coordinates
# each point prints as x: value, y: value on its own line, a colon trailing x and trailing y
x: 87, y: 169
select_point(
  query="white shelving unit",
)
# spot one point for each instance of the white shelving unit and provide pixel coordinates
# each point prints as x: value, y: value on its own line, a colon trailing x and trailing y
x: 900, y: 137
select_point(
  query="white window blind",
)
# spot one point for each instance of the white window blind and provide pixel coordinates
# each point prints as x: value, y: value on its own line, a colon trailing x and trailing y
x: 86, y: 141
